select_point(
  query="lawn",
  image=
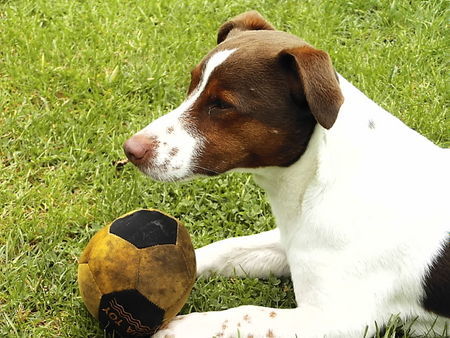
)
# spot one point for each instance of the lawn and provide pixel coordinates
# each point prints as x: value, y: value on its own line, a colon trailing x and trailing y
x: 79, y: 77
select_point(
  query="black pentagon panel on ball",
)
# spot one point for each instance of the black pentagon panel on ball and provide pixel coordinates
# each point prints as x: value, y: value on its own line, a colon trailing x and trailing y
x: 128, y: 313
x: 145, y: 228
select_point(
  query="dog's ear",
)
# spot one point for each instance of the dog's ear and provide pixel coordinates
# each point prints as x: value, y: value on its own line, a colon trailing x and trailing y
x: 251, y: 20
x: 317, y: 79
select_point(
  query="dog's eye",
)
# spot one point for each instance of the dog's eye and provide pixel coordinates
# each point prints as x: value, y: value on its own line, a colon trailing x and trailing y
x: 218, y: 104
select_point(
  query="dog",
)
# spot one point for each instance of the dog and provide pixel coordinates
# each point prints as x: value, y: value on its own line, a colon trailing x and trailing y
x: 360, y: 200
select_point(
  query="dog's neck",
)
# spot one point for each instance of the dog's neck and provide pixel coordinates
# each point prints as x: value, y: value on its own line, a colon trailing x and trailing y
x: 286, y: 187
x: 354, y: 147
x: 330, y: 146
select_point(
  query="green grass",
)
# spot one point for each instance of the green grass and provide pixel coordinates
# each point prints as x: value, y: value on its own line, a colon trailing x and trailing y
x: 79, y: 77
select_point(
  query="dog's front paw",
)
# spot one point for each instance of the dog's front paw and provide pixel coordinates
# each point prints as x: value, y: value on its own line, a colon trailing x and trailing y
x: 212, y: 259
x: 194, y: 325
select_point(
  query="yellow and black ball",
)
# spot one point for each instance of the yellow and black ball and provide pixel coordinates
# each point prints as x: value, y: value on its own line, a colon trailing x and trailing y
x: 136, y: 274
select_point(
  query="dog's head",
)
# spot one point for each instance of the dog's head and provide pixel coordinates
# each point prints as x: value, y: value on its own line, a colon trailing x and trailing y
x: 253, y: 102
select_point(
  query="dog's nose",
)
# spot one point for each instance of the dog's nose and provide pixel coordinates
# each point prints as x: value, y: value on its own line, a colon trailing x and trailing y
x: 139, y: 148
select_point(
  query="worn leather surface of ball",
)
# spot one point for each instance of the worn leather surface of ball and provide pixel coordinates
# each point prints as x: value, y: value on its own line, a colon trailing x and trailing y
x: 136, y: 274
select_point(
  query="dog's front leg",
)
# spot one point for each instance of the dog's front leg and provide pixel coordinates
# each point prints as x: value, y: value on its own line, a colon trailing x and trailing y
x: 259, y: 255
x: 260, y: 322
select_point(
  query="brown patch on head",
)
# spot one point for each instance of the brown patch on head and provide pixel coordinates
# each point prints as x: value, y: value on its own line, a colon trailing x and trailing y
x: 272, y: 314
x: 260, y: 106
x: 270, y: 334
x: 251, y: 113
x: 251, y: 20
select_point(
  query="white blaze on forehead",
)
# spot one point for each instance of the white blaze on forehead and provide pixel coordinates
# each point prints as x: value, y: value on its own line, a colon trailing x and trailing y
x: 168, y: 164
x: 215, y: 61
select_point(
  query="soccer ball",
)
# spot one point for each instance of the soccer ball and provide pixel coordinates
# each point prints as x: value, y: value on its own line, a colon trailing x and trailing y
x: 136, y: 274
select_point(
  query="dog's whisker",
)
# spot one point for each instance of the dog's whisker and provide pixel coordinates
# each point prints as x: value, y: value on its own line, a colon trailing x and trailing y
x: 206, y: 169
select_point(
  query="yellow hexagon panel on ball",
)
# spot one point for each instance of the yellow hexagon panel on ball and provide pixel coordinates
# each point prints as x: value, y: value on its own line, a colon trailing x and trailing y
x: 136, y: 274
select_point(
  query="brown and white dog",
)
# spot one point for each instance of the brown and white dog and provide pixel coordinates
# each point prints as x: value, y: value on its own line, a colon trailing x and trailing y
x: 361, y: 201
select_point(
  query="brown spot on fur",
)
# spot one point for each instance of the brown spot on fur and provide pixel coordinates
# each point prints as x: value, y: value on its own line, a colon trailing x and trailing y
x: 165, y: 165
x: 250, y: 335
x: 272, y: 314
x: 224, y: 325
x: 270, y: 334
x: 170, y: 130
x: 247, y: 318
x: 173, y: 152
